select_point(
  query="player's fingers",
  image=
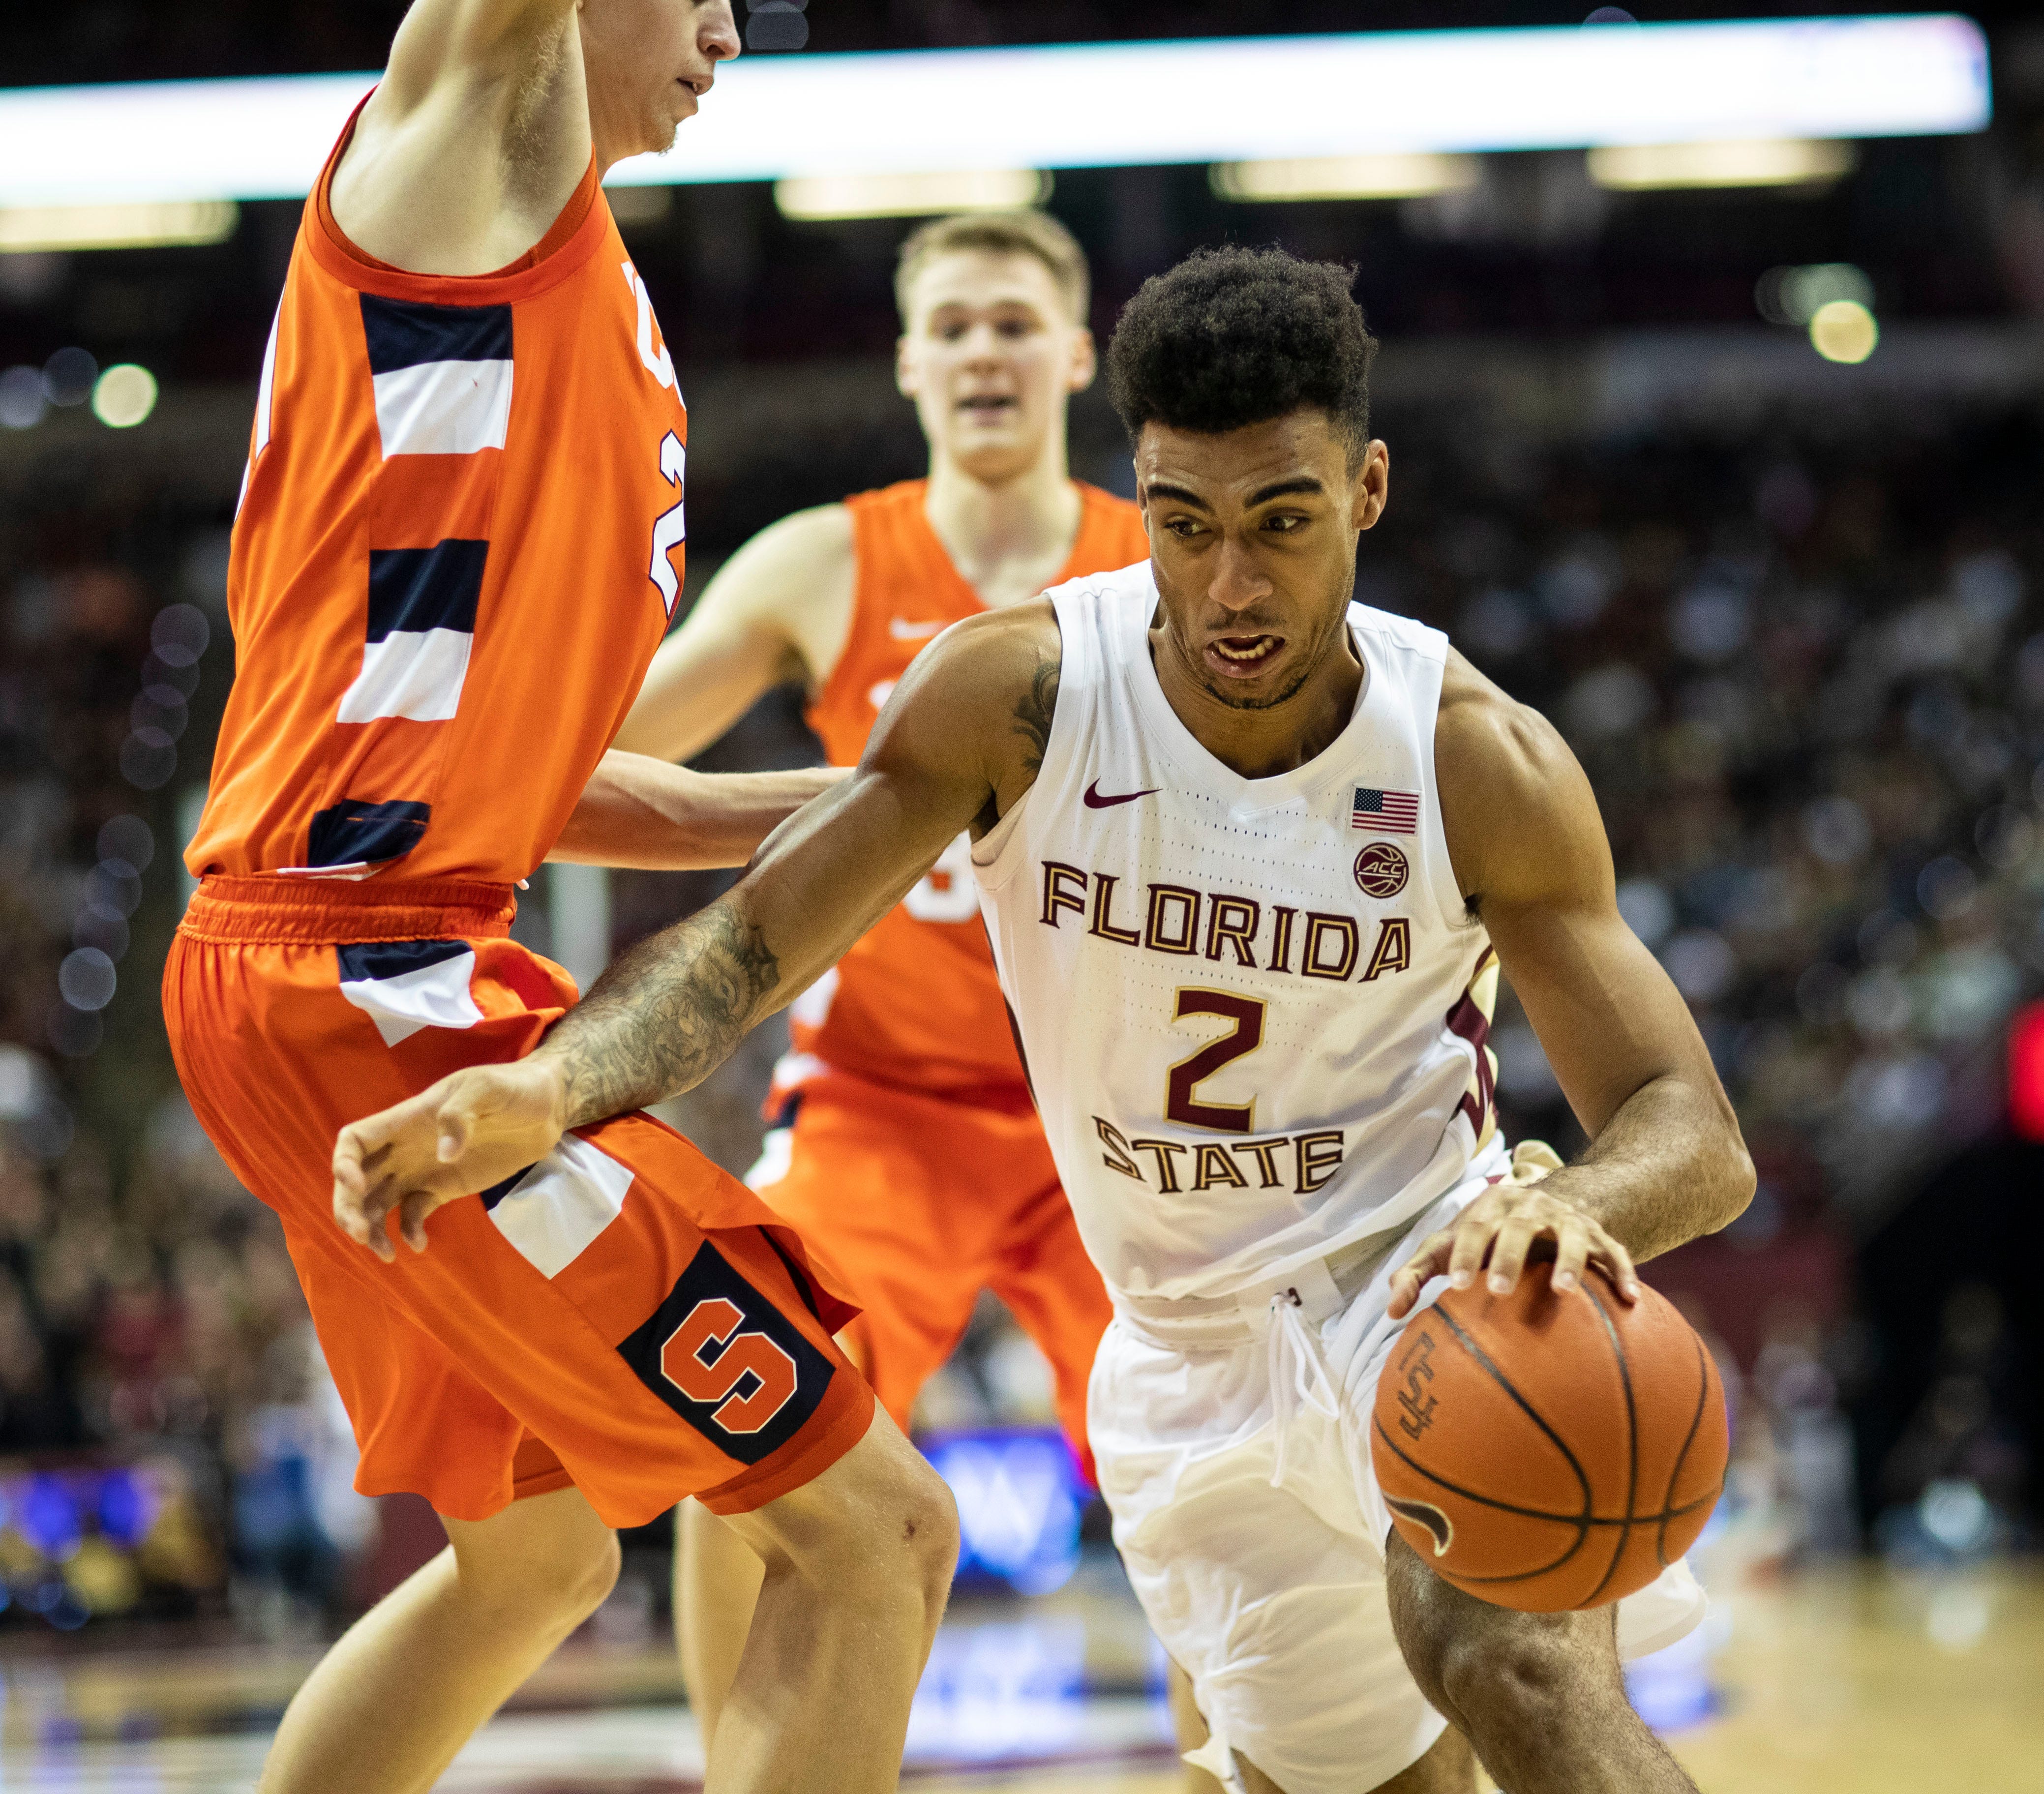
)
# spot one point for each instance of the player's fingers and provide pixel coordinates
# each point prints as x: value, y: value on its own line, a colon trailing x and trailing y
x: 389, y: 1127
x: 347, y: 1155
x: 412, y: 1213
x: 1472, y: 1237
x: 1617, y: 1263
x: 1509, y: 1245
x: 351, y: 1183
x: 363, y: 1219
x: 464, y: 1102
x: 1574, y: 1243
x: 1414, y: 1275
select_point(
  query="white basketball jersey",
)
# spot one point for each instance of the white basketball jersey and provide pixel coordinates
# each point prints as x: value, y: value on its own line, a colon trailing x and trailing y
x: 1254, y: 1012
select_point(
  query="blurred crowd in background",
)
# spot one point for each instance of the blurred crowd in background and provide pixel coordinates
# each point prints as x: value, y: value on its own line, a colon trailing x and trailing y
x: 1796, y: 637
x: 1806, y: 677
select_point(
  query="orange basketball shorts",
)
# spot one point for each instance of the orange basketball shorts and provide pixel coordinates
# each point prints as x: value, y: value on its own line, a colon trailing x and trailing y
x: 921, y: 1204
x: 622, y: 1316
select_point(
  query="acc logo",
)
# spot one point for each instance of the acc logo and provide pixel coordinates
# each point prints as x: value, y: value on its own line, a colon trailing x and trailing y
x: 1380, y: 870
x: 725, y: 1358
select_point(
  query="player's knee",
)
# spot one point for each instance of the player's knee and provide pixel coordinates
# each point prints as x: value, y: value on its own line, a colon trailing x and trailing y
x: 561, y: 1585
x: 592, y: 1579
x: 579, y: 1580
x: 920, y: 1523
x: 935, y: 1520
x: 1510, y: 1681
x: 908, y: 1527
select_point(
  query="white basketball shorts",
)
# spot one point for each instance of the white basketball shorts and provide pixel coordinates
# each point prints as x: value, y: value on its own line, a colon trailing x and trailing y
x: 1232, y: 1440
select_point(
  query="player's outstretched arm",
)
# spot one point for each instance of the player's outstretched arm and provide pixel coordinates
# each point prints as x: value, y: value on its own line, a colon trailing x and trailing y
x: 484, y: 121
x: 476, y: 134
x: 641, y: 813
x: 777, y: 612
x: 1666, y: 1162
x: 957, y: 745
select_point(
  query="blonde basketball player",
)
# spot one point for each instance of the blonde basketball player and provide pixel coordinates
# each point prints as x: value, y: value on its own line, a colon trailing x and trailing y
x: 1252, y: 855
x: 906, y: 1147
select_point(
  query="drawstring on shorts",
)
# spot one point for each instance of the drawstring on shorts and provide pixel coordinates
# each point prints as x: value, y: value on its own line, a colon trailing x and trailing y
x: 1301, y: 1380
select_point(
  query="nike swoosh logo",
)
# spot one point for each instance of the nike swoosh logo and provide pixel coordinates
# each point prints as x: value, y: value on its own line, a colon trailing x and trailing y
x: 904, y: 631
x: 1095, y: 802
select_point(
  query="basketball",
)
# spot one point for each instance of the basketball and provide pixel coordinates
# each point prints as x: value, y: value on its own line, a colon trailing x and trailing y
x: 1545, y: 1451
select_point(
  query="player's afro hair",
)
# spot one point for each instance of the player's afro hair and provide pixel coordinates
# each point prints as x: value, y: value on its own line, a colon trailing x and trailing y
x: 1233, y: 337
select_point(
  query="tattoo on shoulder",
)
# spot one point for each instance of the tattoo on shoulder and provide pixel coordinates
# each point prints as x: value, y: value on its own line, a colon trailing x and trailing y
x: 1033, y: 714
x: 666, y: 1014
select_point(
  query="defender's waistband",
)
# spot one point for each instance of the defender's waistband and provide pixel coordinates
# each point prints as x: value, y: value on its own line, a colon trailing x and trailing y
x: 315, y: 913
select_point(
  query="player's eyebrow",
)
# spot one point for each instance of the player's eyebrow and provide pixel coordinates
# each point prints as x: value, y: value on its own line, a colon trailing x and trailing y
x: 1302, y: 483
x: 1185, y: 495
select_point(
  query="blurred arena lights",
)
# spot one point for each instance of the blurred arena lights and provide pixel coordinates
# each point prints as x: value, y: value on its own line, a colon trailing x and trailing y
x: 1750, y: 162
x: 1093, y: 106
x: 820, y: 197
x: 123, y: 396
x: 1793, y: 295
x: 144, y: 226
x: 1844, y: 330
x: 2026, y: 1072
x: 1409, y: 176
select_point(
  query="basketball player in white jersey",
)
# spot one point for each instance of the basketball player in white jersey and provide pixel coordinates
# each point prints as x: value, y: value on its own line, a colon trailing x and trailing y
x: 1246, y: 850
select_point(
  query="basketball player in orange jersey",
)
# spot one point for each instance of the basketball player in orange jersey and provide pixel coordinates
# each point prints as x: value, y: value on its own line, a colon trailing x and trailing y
x: 908, y: 1150
x: 458, y: 546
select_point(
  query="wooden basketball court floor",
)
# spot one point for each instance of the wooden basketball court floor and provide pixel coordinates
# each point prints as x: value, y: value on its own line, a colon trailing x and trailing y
x: 1848, y: 1681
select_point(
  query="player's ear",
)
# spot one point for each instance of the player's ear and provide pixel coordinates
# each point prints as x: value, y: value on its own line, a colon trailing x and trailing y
x: 1372, y: 487
x: 1085, y: 361
x: 906, y: 379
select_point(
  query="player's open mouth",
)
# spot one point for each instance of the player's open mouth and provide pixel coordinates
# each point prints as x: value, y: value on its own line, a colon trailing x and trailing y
x: 986, y: 407
x: 1242, y: 657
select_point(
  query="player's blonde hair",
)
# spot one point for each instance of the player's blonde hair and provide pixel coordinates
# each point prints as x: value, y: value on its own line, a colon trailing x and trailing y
x: 1018, y: 233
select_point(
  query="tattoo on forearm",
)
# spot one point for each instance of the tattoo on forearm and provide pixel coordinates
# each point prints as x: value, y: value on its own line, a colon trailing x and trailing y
x: 663, y: 1017
x: 1034, y: 713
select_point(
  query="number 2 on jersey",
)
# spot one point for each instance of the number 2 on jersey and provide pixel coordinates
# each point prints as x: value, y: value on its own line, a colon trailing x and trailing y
x: 1181, y: 1102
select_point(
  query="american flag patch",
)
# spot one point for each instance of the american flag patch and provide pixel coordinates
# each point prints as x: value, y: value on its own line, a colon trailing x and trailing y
x: 1387, y: 813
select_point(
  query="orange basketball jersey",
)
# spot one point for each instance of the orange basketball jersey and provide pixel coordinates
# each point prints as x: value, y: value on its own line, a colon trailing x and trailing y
x: 458, y: 544
x: 916, y: 1004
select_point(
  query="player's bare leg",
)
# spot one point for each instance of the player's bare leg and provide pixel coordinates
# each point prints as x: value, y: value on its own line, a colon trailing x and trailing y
x: 386, y: 1709
x: 1189, y: 1725
x: 1541, y: 1695
x: 1449, y: 1768
x: 716, y: 1587
x: 856, y: 1566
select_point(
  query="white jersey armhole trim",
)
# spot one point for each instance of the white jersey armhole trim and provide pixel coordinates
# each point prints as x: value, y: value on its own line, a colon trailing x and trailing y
x: 1447, y: 889
x: 1428, y: 648
x: 998, y: 854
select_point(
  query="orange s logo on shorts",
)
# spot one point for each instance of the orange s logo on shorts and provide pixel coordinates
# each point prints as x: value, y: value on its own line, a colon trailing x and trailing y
x: 729, y: 1359
x: 716, y: 1323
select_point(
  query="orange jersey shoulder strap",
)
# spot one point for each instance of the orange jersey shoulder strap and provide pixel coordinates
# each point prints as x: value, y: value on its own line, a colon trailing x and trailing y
x: 907, y: 591
x: 1111, y: 535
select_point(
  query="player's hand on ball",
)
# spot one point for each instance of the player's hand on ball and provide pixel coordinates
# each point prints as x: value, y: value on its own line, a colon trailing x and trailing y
x: 1509, y: 1224
x: 458, y: 1136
